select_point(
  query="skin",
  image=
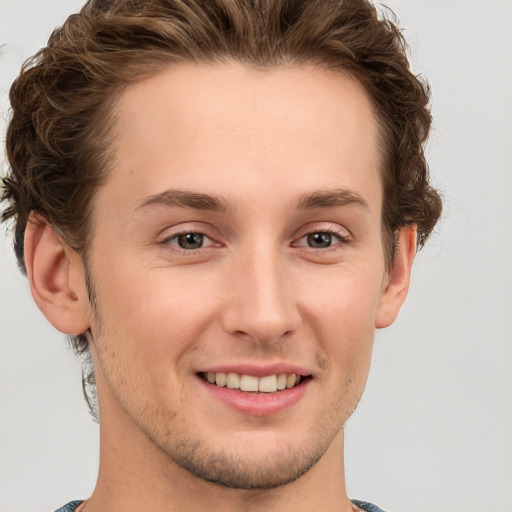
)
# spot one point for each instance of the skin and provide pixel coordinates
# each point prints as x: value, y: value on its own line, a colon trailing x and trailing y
x: 256, y: 293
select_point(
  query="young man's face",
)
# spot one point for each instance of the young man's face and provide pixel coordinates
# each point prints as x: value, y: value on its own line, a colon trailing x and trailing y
x: 238, y: 233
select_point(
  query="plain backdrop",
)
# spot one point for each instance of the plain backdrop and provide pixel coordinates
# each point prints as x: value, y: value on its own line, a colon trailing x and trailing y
x: 433, y: 432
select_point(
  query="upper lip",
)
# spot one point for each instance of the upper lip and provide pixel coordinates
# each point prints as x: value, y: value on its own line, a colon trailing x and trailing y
x: 257, y: 370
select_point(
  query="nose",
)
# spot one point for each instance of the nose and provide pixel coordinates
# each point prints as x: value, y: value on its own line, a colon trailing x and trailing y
x: 262, y: 303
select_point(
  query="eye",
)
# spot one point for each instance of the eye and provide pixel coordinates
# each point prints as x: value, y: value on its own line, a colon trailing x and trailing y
x: 322, y: 240
x: 319, y: 240
x: 190, y: 241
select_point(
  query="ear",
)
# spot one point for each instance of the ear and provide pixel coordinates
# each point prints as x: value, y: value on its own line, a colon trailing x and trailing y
x: 397, y: 279
x: 56, y: 278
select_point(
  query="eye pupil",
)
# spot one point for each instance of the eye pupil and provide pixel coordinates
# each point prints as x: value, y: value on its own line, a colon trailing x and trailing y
x: 320, y: 240
x: 190, y: 241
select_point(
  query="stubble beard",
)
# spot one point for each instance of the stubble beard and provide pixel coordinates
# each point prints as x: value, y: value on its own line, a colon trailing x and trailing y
x: 234, y: 465
x: 237, y: 470
x: 242, y: 471
x: 228, y: 465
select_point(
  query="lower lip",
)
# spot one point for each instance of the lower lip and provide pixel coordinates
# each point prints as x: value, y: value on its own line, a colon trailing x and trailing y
x: 257, y: 404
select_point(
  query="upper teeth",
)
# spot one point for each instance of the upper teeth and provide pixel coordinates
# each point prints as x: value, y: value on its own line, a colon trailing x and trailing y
x: 267, y: 384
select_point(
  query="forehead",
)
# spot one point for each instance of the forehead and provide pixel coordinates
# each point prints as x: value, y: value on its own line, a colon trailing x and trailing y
x: 208, y: 127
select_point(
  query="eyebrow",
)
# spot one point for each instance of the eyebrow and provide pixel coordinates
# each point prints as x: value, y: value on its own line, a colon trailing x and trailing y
x: 198, y: 201
x: 331, y: 199
x: 185, y: 199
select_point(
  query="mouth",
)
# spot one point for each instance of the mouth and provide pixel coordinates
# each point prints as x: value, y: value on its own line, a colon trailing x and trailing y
x: 267, y: 384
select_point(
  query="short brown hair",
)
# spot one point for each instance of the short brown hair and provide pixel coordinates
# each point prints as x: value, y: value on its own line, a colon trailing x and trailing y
x: 57, y: 139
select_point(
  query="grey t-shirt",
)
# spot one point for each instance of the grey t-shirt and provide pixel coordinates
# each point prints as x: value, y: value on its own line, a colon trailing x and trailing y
x: 369, y: 507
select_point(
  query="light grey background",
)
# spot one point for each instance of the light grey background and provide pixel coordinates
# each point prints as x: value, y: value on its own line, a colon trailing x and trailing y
x: 433, y: 432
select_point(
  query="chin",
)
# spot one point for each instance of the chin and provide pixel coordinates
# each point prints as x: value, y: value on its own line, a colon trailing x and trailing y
x: 248, y: 472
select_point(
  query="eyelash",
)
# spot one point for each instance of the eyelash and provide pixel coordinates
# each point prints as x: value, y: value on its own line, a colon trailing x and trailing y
x: 341, y: 237
x: 168, y: 240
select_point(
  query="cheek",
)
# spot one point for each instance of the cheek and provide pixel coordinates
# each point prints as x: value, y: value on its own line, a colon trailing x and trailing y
x: 342, y: 316
x: 345, y: 299
x: 145, y: 330
x: 155, y: 314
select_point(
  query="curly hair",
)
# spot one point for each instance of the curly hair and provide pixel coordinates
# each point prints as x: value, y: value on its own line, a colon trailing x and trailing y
x: 58, y: 143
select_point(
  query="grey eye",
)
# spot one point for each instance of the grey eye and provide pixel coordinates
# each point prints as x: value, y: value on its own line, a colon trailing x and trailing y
x: 319, y: 240
x: 190, y: 240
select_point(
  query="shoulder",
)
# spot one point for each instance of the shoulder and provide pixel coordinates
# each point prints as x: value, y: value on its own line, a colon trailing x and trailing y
x: 368, y: 507
x: 70, y: 507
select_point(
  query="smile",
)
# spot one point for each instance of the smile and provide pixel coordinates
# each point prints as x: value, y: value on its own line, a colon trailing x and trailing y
x: 250, y: 383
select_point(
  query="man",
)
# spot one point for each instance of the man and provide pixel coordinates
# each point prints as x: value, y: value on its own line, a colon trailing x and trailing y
x: 220, y: 201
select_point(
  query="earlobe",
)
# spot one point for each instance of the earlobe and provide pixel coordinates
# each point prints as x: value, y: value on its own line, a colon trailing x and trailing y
x: 398, y: 278
x: 55, y: 277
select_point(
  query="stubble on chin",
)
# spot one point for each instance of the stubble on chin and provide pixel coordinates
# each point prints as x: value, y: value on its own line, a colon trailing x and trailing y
x: 243, y: 470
